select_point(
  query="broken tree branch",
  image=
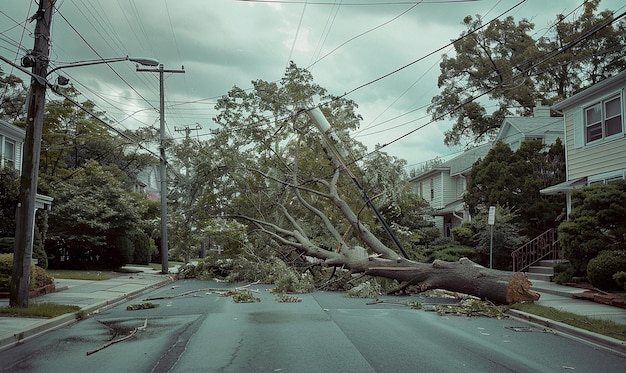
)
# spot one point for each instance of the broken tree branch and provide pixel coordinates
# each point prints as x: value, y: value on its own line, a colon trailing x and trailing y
x: 114, y: 341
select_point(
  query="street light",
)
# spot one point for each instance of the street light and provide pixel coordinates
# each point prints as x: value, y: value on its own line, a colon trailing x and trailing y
x: 140, y: 60
x: 25, y: 212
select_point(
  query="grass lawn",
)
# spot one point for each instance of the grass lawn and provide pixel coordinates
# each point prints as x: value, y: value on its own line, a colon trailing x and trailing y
x: 70, y: 274
x: 604, y: 327
x: 45, y: 310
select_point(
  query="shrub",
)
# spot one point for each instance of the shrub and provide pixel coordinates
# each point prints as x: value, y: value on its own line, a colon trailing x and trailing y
x: 601, y: 269
x: 463, y: 234
x: 452, y: 253
x: 594, y: 223
x: 563, y: 272
x: 620, y: 278
x: 38, y: 276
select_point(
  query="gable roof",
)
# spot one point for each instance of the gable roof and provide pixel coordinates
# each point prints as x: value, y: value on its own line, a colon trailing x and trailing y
x: 11, y: 130
x: 459, y: 164
x: 465, y: 161
x: 529, y: 126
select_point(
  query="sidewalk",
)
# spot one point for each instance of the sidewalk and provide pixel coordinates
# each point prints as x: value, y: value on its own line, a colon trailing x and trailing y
x: 562, y: 298
x: 90, y: 296
x: 93, y: 296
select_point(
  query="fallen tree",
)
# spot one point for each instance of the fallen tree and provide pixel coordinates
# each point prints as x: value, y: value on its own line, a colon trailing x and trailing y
x: 294, y: 184
x: 464, y: 276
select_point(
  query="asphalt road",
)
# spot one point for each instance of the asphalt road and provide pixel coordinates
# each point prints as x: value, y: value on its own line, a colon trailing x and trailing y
x: 326, y: 332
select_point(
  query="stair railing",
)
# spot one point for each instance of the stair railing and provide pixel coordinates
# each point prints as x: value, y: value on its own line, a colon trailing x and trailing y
x: 544, y: 246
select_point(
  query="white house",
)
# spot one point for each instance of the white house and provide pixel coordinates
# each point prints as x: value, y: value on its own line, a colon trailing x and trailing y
x: 443, y: 186
x: 11, y: 150
x: 541, y: 126
x: 11, y: 143
x: 595, y: 141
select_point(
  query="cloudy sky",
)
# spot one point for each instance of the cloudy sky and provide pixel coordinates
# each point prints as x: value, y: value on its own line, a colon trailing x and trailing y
x: 224, y: 43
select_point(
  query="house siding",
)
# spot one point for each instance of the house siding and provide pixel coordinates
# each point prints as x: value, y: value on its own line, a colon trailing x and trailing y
x: 437, y: 183
x: 15, y: 135
x: 449, y: 190
x: 591, y: 159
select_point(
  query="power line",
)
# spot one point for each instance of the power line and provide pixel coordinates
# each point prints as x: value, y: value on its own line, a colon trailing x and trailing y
x: 545, y: 58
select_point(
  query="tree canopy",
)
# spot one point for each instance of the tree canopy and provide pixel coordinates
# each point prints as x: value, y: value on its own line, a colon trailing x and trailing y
x: 595, y: 223
x: 13, y: 97
x: 509, y: 69
x: 514, y: 179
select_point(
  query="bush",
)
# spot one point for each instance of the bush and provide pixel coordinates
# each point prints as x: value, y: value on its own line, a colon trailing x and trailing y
x: 620, y: 278
x: 601, y: 269
x: 452, y: 253
x: 594, y: 223
x: 563, y: 272
x: 463, y: 234
x: 38, y: 276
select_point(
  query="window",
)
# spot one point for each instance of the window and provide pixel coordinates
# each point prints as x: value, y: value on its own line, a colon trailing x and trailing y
x: 607, y: 177
x: 603, y: 119
x: 8, y: 154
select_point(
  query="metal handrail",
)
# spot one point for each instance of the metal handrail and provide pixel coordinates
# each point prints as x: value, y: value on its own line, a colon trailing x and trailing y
x: 546, y: 245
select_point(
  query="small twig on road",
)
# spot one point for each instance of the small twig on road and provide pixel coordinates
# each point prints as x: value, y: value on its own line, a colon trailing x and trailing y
x: 109, y: 343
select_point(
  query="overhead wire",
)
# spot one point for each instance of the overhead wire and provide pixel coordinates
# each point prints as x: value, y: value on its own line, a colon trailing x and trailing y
x: 415, y: 82
x: 100, y: 56
x: 365, y: 33
x: 544, y: 58
x: 347, y: 93
x: 330, y: 21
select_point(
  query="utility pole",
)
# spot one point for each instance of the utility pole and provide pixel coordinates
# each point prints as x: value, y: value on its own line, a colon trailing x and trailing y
x: 163, y: 164
x: 188, y: 130
x: 25, y: 212
x: 332, y: 141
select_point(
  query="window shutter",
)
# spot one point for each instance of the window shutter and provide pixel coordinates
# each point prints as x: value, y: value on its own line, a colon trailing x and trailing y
x: 579, y: 128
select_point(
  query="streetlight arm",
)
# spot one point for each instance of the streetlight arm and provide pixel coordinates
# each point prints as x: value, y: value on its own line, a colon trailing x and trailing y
x: 139, y: 60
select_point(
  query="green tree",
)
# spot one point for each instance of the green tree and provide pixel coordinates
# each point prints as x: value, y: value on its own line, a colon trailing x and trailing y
x: 94, y: 221
x: 595, y: 223
x: 514, y: 179
x: 12, y: 98
x: 506, y: 237
x: 513, y: 70
x: 9, y: 190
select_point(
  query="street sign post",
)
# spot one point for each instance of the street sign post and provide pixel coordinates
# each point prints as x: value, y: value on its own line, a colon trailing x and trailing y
x: 491, y: 221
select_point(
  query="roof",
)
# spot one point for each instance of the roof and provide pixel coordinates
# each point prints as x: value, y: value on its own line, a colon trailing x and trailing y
x: 465, y: 161
x: 12, y: 130
x: 533, y: 125
x: 606, y: 84
x: 450, y: 208
x: 459, y: 164
x: 564, y: 187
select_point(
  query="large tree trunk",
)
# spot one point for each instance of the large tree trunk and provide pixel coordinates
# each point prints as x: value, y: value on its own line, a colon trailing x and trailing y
x: 464, y: 276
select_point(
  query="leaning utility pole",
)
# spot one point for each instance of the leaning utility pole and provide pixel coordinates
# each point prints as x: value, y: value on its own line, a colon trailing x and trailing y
x: 25, y: 211
x: 163, y: 164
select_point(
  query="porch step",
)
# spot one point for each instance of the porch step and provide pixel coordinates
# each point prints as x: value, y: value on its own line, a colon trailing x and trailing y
x: 544, y: 270
x: 540, y: 276
x: 551, y: 262
x: 541, y: 270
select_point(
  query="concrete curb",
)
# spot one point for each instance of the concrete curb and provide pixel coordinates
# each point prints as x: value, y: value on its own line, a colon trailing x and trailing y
x: 69, y: 319
x: 598, y: 340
